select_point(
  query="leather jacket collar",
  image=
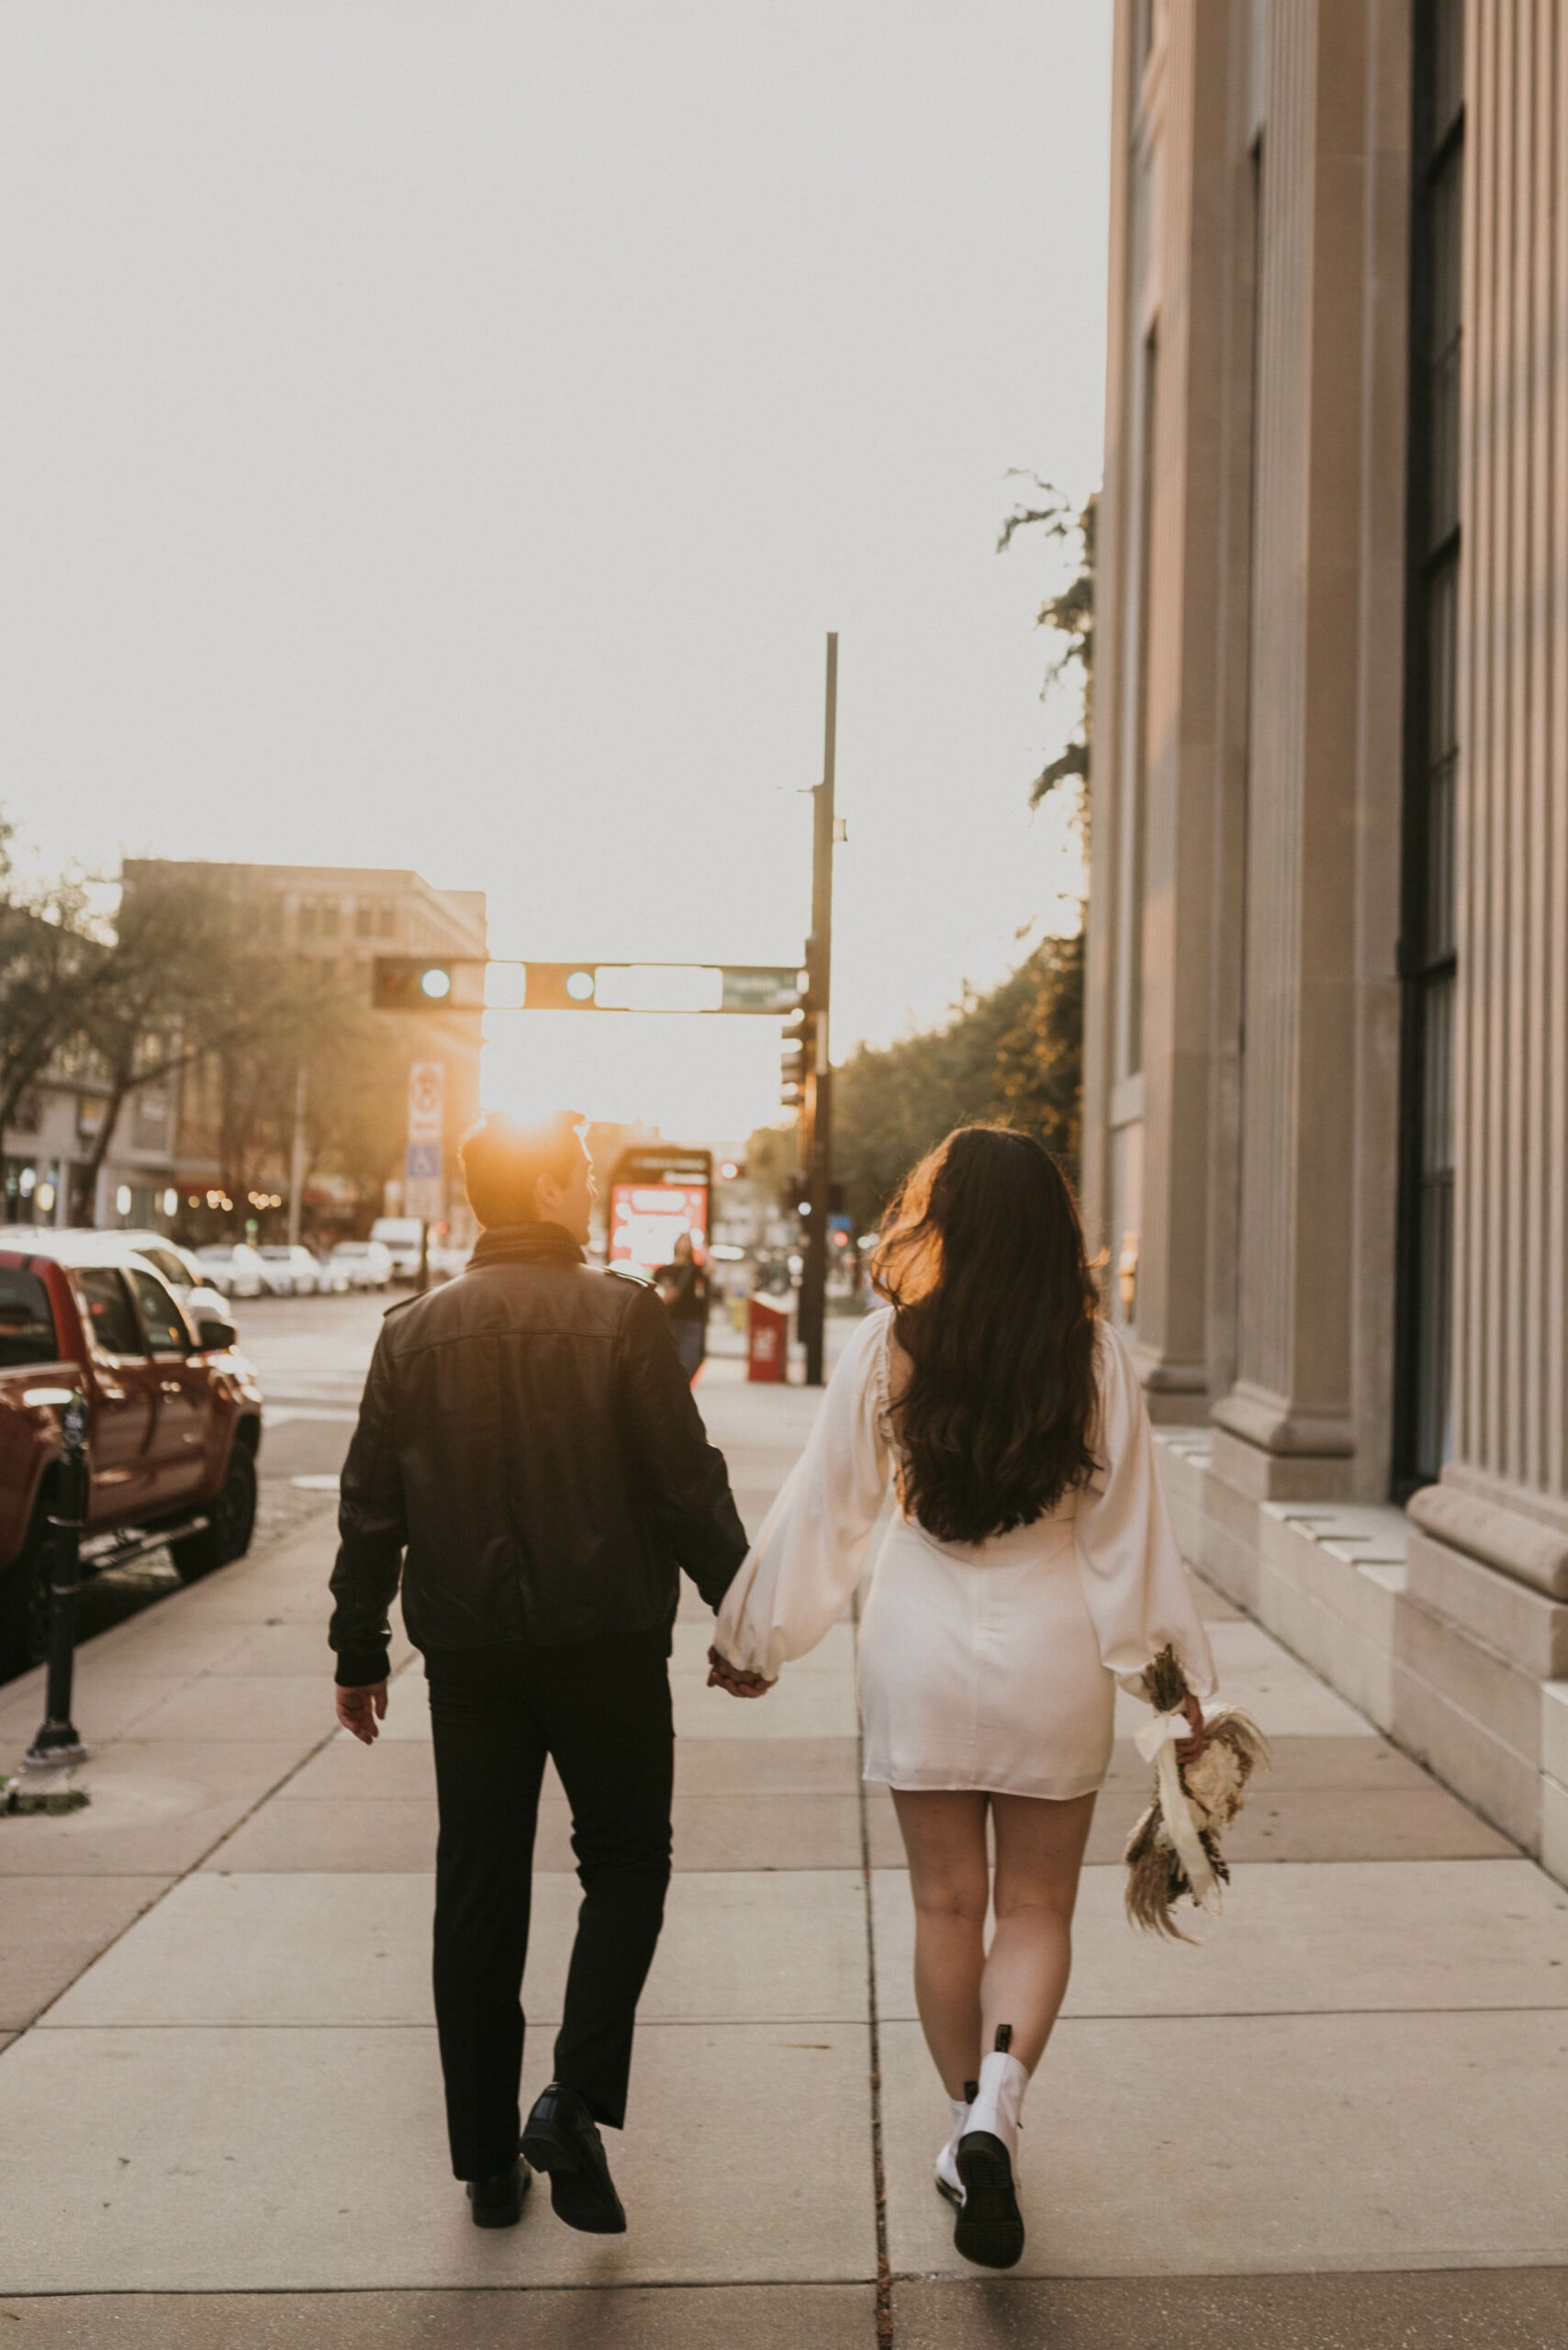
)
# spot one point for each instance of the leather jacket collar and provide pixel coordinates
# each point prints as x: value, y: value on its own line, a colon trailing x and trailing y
x: 524, y: 1244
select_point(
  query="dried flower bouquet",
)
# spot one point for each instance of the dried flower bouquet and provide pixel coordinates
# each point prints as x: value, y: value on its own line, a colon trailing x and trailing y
x: 1174, y: 1850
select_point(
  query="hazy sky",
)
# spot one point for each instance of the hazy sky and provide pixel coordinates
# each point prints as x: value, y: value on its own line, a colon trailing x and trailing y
x: 440, y: 433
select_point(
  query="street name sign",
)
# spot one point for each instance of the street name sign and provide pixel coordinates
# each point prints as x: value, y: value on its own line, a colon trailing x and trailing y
x: 760, y: 987
x: 427, y: 1091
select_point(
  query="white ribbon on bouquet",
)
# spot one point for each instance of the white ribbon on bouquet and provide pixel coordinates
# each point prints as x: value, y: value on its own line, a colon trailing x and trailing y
x: 1157, y: 1743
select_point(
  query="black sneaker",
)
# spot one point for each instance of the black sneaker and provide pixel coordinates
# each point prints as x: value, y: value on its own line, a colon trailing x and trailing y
x: 497, y: 2200
x: 560, y: 2136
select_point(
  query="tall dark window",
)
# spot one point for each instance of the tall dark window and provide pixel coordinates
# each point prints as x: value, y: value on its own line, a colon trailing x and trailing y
x: 1422, y: 1435
x: 1138, y: 813
x: 1142, y: 40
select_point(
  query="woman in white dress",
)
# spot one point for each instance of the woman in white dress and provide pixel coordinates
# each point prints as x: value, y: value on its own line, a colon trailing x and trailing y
x: 1028, y: 1566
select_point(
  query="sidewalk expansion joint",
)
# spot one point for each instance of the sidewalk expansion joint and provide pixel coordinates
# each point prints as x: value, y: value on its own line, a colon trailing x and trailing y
x: 503, y: 2288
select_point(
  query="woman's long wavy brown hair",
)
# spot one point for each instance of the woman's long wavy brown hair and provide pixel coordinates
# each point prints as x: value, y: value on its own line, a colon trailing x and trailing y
x: 982, y: 1257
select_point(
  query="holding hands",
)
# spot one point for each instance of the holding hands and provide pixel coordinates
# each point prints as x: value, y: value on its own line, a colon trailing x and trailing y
x: 723, y: 1674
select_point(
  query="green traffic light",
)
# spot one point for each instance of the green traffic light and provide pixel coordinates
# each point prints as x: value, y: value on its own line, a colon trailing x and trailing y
x: 435, y: 982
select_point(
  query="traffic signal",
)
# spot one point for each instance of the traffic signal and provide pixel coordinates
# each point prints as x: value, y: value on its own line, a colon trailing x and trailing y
x: 795, y: 1057
x: 410, y: 983
x: 561, y: 987
x: 801, y: 1196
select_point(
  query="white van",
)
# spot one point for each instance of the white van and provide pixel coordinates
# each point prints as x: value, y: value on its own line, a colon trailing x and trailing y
x: 400, y: 1236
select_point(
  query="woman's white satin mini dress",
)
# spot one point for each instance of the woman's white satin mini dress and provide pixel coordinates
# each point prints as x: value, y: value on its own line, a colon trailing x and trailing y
x: 992, y: 1665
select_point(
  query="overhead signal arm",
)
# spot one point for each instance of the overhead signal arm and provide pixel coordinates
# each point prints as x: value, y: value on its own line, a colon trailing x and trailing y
x: 473, y: 983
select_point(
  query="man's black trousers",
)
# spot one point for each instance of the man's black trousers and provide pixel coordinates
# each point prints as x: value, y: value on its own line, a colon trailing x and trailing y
x: 601, y: 1712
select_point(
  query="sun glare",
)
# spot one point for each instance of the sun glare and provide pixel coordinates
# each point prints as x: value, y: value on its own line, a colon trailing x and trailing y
x: 697, y: 1078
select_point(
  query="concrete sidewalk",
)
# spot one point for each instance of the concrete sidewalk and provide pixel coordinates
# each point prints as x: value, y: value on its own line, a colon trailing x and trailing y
x: 1342, y: 2122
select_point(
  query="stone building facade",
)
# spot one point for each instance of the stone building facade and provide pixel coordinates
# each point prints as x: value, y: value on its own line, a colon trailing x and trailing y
x: 45, y: 1151
x: 1326, y: 1060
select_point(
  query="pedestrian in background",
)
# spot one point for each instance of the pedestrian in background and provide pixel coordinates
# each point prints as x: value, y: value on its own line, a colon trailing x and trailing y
x: 530, y: 1462
x: 1028, y: 1567
x: 683, y: 1286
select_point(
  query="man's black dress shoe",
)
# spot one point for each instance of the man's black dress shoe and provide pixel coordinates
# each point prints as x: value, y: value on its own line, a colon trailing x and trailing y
x: 560, y: 2137
x: 497, y: 2200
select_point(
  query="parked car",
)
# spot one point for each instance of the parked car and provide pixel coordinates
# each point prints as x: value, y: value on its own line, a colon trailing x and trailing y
x: 400, y: 1236
x: 174, y: 1421
x: 366, y: 1263
x: 174, y: 1265
x: 290, y: 1272
x: 178, y: 1266
x: 233, y: 1268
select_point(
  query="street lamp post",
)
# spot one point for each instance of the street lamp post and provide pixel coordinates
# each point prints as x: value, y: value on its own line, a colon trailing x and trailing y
x: 817, y: 1135
x: 297, y: 1157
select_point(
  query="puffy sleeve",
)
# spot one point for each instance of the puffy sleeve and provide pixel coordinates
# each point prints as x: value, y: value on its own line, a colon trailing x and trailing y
x: 1135, y: 1584
x: 805, y: 1562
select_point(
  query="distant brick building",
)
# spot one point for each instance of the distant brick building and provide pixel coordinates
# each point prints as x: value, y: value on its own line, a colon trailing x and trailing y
x: 52, y: 1134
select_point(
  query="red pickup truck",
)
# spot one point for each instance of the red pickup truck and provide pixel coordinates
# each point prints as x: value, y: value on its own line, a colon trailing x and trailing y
x: 175, y: 1421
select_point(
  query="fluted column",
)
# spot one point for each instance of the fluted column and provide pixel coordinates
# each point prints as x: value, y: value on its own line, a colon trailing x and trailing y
x: 1288, y: 1425
x: 1147, y: 1080
x: 1169, y: 1332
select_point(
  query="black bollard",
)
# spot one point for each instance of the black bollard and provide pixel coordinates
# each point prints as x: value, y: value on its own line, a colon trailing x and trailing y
x: 57, y: 1741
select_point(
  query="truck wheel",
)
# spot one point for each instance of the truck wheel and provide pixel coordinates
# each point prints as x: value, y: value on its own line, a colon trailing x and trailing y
x: 24, y: 1604
x: 231, y: 1521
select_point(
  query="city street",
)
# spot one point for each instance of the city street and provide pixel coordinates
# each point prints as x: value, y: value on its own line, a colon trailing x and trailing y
x: 311, y: 1354
x: 1338, y: 2123
x: 896, y: 653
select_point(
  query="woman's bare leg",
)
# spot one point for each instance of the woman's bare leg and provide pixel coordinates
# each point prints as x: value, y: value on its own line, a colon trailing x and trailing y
x: 1039, y: 1854
x: 943, y: 1835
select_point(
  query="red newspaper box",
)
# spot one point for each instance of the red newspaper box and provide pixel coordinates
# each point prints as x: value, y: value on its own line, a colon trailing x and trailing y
x: 766, y: 1339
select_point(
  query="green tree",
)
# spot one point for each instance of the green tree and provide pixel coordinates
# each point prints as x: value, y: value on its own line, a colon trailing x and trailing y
x: 1010, y: 1056
x: 173, y: 983
x: 50, y: 969
x: 1069, y: 617
x: 772, y: 1160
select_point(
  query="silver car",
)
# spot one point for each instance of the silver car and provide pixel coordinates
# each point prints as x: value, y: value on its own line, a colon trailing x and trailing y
x: 365, y: 1263
x: 290, y: 1272
x: 233, y: 1268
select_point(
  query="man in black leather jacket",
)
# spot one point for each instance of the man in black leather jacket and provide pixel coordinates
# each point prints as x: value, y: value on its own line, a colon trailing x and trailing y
x: 529, y: 1461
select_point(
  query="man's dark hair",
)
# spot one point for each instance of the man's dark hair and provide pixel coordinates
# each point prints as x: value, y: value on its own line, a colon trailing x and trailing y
x: 502, y: 1160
